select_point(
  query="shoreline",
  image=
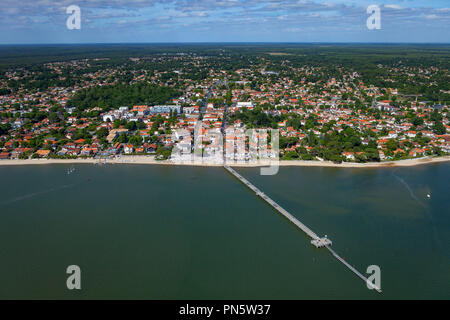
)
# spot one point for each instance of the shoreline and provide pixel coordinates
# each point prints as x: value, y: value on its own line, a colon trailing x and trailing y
x: 150, y: 160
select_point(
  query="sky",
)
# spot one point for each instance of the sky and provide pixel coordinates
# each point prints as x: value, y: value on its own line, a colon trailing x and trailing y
x: 156, y: 21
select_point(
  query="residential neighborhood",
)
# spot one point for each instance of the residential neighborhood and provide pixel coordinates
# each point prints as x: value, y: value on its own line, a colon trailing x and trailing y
x: 319, y: 117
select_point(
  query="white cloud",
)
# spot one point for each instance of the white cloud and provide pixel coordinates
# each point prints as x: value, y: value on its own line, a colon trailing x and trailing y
x: 393, y: 6
x: 292, y: 30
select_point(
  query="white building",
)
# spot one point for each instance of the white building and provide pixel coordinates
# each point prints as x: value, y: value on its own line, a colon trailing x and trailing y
x: 244, y: 105
x: 109, y: 116
x: 188, y: 110
x: 166, y: 109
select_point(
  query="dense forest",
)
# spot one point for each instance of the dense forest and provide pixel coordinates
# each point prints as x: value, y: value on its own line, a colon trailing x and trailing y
x: 239, y: 54
x: 373, y: 62
x: 109, y: 97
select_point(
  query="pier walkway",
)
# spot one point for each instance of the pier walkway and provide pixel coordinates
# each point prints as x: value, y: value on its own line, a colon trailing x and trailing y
x: 370, y: 284
x: 316, y: 240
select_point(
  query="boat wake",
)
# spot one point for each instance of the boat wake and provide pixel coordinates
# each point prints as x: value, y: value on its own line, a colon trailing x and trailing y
x: 424, y: 206
x: 31, y: 195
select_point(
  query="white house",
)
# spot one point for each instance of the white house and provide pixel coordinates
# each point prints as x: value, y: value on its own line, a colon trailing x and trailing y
x: 128, y: 148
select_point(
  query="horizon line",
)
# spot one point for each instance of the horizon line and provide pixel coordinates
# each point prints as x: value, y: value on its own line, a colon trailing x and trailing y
x: 225, y: 42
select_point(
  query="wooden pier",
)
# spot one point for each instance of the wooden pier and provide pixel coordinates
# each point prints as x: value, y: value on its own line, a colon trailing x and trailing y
x: 316, y: 240
x: 370, y: 284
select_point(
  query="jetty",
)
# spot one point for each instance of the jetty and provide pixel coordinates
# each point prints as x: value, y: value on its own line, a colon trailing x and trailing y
x: 316, y: 241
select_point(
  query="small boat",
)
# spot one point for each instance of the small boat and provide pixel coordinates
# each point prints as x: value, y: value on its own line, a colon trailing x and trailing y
x: 428, y: 196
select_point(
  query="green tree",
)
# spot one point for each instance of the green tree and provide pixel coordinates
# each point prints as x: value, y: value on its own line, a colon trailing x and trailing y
x: 439, y: 128
x: 391, y: 144
x: 102, y: 133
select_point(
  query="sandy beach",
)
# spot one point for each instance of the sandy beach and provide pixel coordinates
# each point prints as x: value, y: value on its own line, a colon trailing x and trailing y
x: 151, y: 161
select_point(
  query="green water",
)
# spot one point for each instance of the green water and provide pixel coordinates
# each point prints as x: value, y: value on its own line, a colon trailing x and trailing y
x: 159, y: 232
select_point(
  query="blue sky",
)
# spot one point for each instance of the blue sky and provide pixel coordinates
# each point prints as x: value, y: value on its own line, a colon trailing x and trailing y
x: 44, y: 21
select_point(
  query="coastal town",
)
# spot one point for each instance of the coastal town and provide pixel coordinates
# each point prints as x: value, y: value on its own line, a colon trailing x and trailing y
x: 101, y: 109
x: 224, y: 159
